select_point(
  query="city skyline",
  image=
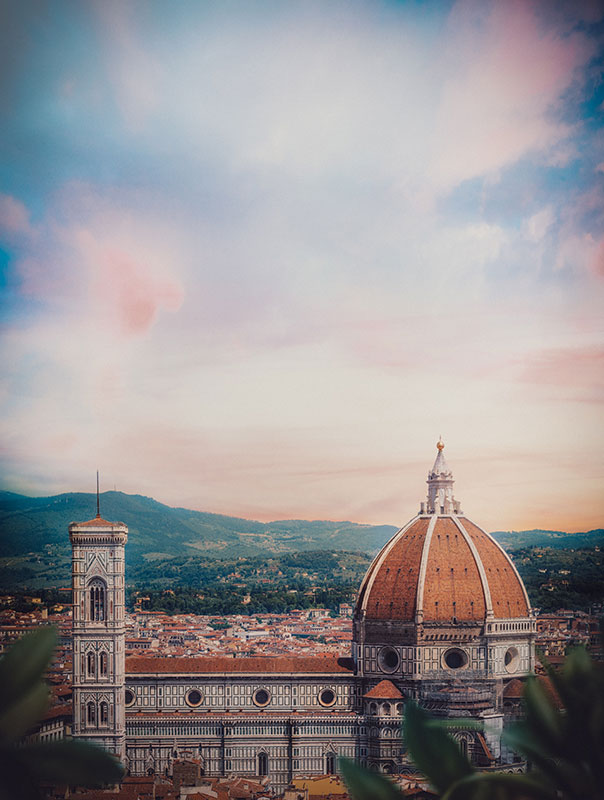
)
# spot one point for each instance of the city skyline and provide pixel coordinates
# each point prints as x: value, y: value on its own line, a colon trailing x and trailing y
x: 257, y: 258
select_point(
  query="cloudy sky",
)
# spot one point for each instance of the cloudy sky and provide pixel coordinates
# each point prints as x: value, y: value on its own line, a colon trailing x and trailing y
x: 256, y: 256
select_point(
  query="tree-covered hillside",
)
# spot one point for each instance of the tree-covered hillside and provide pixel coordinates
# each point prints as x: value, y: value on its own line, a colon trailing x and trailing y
x: 187, y: 551
x: 35, y: 550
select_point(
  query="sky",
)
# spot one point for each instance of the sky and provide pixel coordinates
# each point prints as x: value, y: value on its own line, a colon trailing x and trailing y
x: 256, y: 257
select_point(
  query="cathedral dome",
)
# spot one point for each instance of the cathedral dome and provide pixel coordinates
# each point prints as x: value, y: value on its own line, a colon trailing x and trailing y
x: 441, y: 567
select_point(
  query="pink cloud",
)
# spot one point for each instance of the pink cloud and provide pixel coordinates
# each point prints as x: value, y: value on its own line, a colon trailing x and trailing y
x: 507, y: 76
x: 133, y: 294
x: 14, y: 217
x: 579, y: 371
x: 596, y: 263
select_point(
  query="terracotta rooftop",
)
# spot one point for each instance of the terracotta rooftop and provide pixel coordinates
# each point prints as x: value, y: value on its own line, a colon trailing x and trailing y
x: 385, y: 690
x: 264, y: 665
x: 97, y: 522
x: 514, y: 689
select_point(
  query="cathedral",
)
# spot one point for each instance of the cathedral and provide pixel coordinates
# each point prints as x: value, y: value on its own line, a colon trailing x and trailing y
x: 442, y: 616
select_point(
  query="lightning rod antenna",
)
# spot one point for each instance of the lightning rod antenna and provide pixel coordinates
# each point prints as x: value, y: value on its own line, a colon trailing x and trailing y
x: 98, y: 500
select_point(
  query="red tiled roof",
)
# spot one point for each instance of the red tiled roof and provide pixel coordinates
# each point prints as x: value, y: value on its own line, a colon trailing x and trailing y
x: 385, y: 690
x: 514, y: 688
x: 506, y: 590
x: 550, y: 690
x: 485, y: 747
x: 263, y: 665
x: 453, y: 587
x: 97, y: 522
x: 56, y: 712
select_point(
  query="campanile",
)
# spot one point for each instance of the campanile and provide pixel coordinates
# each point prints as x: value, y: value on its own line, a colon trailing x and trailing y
x: 99, y: 632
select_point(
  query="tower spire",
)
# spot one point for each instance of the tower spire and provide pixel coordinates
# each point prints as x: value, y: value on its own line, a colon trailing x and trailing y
x: 98, y: 498
x: 440, y: 486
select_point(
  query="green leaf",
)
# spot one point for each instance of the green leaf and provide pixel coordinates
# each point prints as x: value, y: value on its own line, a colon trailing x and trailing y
x: 499, y: 786
x: 71, y: 762
x: 24, y: 664
x: 15, y: 779
x: 522, y: 740
x: 542, y: 718
x: 364, y: 784
x: 435, y: 753
x: 22, y: 716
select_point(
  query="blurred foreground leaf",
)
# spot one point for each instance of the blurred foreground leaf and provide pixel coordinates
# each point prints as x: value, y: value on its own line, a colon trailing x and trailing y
x: 23, y: 701
x: 434, y: 752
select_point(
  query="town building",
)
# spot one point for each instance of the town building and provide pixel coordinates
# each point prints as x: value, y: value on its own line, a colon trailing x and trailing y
x: 442, y: 616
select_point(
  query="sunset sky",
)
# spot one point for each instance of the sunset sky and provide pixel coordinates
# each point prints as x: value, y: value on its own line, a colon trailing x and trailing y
x: 256, y: 256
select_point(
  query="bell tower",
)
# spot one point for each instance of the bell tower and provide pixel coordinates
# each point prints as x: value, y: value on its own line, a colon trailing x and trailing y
x: 99, y: 632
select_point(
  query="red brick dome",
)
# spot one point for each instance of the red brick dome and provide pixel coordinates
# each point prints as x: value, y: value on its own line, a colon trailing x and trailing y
x: 441, y: 567
x: 445, y: 567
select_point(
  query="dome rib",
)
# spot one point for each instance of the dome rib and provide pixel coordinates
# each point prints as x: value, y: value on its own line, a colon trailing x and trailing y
x: 421, y: 582
x: 481, y: 570
x: 376, y: 567
x: 506, y: 589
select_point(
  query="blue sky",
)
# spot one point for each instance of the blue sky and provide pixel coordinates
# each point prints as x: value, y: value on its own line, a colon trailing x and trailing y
x: 257, y: 257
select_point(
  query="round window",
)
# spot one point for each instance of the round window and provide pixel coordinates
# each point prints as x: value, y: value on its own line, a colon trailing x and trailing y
x: 388, y: 659
x: 193, y: 698
x: 456, y: 658
x: 261, y: 697
x: 327, y: 697
x: 511, y: 660
x: 129, y: 697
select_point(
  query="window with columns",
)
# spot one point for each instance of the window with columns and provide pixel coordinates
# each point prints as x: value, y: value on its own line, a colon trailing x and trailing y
x: 98, y: 600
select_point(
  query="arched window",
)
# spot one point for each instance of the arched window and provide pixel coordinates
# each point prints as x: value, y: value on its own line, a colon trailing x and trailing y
x: 103, y: 664
x: 90, y: 663
x: 262, y: 764
x: 91, y: 714
x: 97, y: 601
x: 330, y: 764
x: 104, y: 714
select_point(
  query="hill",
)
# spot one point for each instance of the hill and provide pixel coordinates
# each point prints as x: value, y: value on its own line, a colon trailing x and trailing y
x: 559, y: 540
x: 35, y: 550
x: 184, y: 549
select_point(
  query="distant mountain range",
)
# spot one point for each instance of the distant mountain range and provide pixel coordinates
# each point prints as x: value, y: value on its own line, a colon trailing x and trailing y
x: 29, y: 524
x: 34, y: 544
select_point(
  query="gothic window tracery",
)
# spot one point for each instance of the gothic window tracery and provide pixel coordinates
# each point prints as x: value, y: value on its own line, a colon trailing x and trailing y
x: 98, y: 600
